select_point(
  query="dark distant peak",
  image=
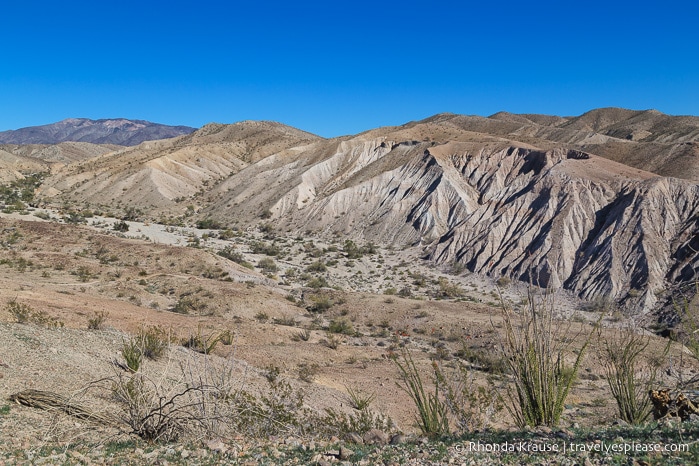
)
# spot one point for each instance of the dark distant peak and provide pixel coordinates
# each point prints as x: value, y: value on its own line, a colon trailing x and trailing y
x: 119, y: 131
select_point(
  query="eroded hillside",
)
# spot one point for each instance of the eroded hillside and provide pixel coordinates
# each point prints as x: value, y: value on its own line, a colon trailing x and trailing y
x: 529, y: 197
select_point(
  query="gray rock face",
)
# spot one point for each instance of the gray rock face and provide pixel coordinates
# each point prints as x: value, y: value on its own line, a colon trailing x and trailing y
x: 556, y: 218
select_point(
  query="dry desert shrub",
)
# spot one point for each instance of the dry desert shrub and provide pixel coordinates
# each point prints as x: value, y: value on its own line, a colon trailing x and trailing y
x: 24, y: 313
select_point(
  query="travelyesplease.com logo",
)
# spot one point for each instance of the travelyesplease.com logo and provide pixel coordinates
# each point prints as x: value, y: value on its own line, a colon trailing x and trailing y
x: 563, y: 447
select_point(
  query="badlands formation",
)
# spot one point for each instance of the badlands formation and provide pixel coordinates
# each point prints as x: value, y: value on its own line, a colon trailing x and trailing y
x: 603, y: 205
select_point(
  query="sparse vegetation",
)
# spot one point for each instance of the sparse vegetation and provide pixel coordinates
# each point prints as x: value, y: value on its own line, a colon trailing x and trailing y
x: 268, y: 265
x: 319, y: 304
x: 268, y: 249
x: 342, y: 326
x: 302, y: 335
x: 330, y: 341
x: 132, y: 354
x: 190, y: 305
x: 201, y: 342
x: 21, y: 312
x: 317, y: 267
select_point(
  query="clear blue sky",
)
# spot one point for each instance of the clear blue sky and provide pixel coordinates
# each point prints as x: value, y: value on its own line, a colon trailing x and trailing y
x: 340, y: 67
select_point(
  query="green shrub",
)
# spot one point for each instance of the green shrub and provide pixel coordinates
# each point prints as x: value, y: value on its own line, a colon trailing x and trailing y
x: 331, y: 341
x: 318, y: 282
x: 121, y: 226
x: 209, y: 224
x: 231, y: 254
x: 268, y: 265
x: 132, y: 354
x: 351, y: 250
x: 153, y: 341
x: 189, y: 304
x: 358, y: 399
x: 84, y: 274
x: 286, y: 320
x: 317, y: 266
x: 535, y: 346
x: 343, y: 326
x: 23, y: 313
x: 202, y: 343
x: 432, y: 418
x: 260, y: 247
x: 20, y: 311
x: 96, y: 322
x: 448, y: 289
x: 503, y: 281
x: 319, y: 303
x: 629, y: 377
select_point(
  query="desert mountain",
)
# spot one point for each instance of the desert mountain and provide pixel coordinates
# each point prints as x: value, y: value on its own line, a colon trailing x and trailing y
x: 531, y: 197
x: 663, y: 144
x: 118, y: 131
x: 158, y: 175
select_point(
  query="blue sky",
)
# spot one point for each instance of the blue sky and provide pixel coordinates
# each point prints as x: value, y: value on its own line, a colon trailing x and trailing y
x: 341, y: 67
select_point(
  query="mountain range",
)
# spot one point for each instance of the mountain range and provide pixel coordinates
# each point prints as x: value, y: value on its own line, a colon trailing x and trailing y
x: 118, y: 131
x: 605, y: 204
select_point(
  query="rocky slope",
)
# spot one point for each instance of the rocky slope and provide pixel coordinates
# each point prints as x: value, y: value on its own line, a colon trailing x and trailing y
x: 118, y: 131
x: 159, y: 175
x: 522, y: 196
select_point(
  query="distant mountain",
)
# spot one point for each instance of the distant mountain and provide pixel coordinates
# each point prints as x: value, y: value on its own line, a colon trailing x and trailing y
x: 118, y: 131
